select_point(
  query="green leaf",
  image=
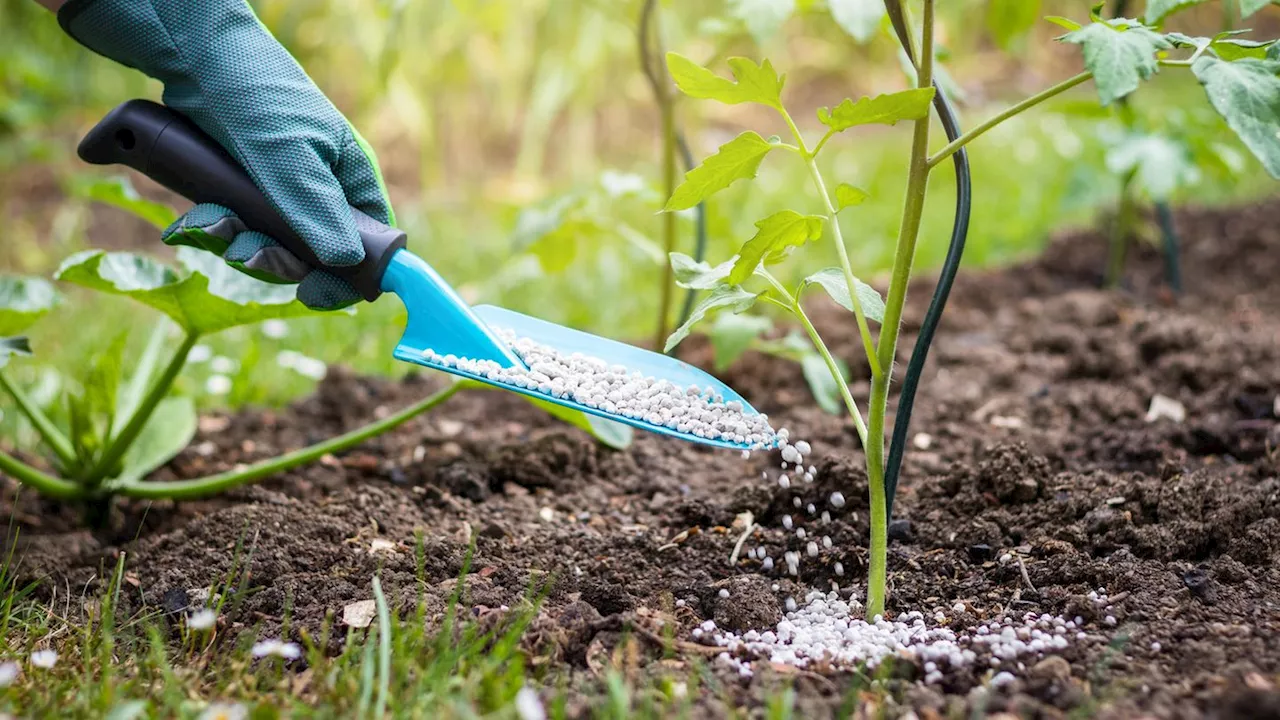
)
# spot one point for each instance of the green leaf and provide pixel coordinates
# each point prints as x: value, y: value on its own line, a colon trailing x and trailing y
x: 23, y: 301
x: 1158, y: 10
x: 725, y: 296
x: 833, y: 281
x: 1232, y: 49
x: 207, y: 298
x: 119, y: 191
x: 762, y: 18
x: 1250, y: 7
x: 1247, y: 94
x: 732, y: 334
x: 698, y: 275
x: 735, y: 160
x: 848, y: 196
x: 1119, y: 55
x: 1009, y: 21
x: 1065, y: 23
x: 774, y: 238
x: 825, y: 389
x: 861, y: 19
x: 170, y: 428
x: 1160, y: 164
x: 881, y: 109
x: 551, y: 232
x: 751, y: 83
x: 10, y: 346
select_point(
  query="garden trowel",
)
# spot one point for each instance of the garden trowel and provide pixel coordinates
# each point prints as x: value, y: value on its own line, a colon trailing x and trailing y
x: 169, y: 149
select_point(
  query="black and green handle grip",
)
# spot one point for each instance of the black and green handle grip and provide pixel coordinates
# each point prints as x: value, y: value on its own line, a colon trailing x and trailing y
x: 171, y: 150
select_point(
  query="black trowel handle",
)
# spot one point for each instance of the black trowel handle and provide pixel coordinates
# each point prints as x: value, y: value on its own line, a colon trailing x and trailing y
x: 169, y: 149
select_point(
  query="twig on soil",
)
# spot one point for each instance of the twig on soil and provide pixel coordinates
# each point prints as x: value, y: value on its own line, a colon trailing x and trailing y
x: 749, y: 520
x: 1022, y: 567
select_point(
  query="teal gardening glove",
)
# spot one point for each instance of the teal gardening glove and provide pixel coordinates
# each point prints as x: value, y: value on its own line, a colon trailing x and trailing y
x: 223, y: 70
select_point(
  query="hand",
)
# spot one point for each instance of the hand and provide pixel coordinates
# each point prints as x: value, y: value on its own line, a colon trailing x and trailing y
x: 224, y: 71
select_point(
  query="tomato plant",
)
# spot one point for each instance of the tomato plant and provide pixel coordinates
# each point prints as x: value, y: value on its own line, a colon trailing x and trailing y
x: 1119, y: 55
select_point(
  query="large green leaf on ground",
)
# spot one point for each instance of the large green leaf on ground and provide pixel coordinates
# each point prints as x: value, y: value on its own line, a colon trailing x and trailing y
x: 1247, y: 94
x: 10, y: 346
x: 1009, y: 21
x: 751, y: 83
x: 1160, y: 164
x: 860, y: 18
x: 1120, y: 54
x: 881, y: 109
x: 723, y: 297
x: 737, y: 159
x: 698, y: 275
x: 23, y: 301
x: 775, y: 236
x: 207, y: 297
x: 119, y: 191
x: 1158, y: 10
x: 169, y: 429
x: 732, y: 334
x: 832, y: 280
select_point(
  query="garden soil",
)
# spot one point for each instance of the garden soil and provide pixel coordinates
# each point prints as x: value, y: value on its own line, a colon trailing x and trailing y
x: 1030, y: 440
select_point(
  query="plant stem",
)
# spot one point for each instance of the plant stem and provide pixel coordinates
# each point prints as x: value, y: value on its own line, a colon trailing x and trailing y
x: 1027, y: 104
x: 1120, y: 232
x: 912, y: 211
x: 834, y: 369
x: 200, y: 487
x: 666, y: 107
x: 43, y: 483
x: 120, y: 443
x: 59, y: 443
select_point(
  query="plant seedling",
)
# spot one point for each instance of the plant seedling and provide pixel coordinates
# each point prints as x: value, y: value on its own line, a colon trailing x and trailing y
x: 1119, y: 55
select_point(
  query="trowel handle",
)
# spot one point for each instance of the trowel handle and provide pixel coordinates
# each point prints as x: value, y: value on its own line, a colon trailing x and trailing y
x: 172, y: 151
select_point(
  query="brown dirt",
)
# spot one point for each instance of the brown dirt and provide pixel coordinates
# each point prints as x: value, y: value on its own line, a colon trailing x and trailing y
x: 1033, y: 405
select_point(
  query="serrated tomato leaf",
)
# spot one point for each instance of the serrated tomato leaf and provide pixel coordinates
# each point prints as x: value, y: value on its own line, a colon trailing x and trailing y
x: 1246, y: 93
x: 775, y: 236
x: 1158, y: 10
x: 23, y: 301
x: 832, y: 280
x: 881, y: 109
x: 699, y: 275
x: 1120, y: 54
x: 721, y: 298
x: 208, y: 296
x: 751, y: 83
x: 847, y: 196
x: 737, y: 159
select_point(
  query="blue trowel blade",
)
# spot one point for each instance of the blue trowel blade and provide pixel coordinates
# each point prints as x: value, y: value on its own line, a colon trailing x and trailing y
x: 439, y: 320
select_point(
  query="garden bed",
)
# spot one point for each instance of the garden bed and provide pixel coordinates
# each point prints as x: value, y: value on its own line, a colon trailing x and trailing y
x: 1033, y: 478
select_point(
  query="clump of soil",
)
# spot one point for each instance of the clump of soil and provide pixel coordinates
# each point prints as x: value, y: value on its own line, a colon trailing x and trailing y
x: 1034, y: 479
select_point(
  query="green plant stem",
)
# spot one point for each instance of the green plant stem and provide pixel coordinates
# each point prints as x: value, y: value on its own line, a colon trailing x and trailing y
x: 58, y: 442
x: 868, y: 344
x: 1121, y: 229
x: 121, y: 442
x: 43, y: 483
x: 904, y: 257
x: 1027, y: 104
x: 201, y: 487
x: 668, y: 219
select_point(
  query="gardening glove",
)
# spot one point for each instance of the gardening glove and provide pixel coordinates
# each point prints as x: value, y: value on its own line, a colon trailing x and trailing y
x: 223, y: 70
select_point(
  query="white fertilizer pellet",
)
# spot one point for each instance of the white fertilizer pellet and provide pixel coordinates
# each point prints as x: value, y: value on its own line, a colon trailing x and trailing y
x: 596, y: 384
x: 829, y: 630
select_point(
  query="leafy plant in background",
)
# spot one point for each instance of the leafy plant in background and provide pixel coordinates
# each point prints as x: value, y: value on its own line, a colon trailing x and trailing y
x: 120, y: 424
x: 1119, y: 55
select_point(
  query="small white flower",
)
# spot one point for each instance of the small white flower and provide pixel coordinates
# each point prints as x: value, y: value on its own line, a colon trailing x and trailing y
x: 202, y: 619
x: 225, y: 711
x: 199, y: 354
x: 217, y: 385
x: 528, y: 705
x: 275, y: 329
x: 9, y: 672
x: 44, y: 659
x: 278, y: 648
x: 311, y: 367
x: 223, y: 364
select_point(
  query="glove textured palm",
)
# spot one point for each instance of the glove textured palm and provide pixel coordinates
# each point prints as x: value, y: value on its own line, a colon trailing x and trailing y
x: 224, y: 70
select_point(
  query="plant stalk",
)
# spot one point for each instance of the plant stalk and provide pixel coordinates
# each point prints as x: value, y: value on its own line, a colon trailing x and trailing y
x: 58, y: 442
x: 1121, y: 229
x: 201, y: 487
x: 1013, y: 110
x: 648, y: 40
x: 43, y: 483
x: 121, y: 442
x: 849, y: 402
x: 908, y: 233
